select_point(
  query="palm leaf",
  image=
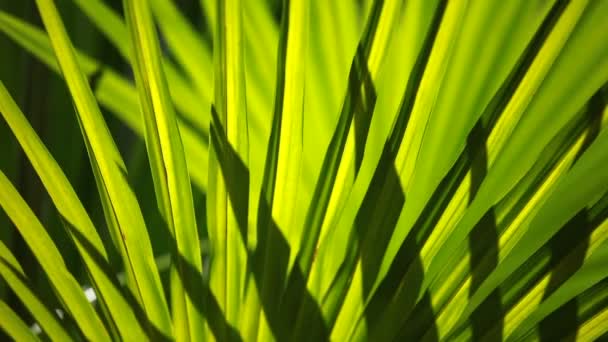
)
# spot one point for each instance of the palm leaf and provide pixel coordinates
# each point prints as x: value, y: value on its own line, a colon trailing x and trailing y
x: 120, y: 206
x: 169, y: 171
x: 281, y: 172
x: 76, y: 219
x: 371, y: 170
x: 13, y: 325
x: 13, y: 274
x: 51, y: 261
x: 114, y: 92
x: 228, y: 207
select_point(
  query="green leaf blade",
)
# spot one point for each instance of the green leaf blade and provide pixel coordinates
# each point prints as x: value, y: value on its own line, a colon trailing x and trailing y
x: 13, y: 274
x: 169, y: 171
x: 13, y: 325
x: 120, y: 205
x: 227, y: 206
x: 76, y: 219
x: 50, y: 259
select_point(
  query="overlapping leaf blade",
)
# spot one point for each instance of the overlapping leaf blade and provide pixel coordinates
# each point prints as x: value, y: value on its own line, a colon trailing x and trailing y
x: 169, y: 172
x: 13, y: 274
x: 114, y: 92
x: 13, y: 325
x: 123, y: 215
x: 478, y: 214
x: 52, y: 263
x: 227, y: 206
x: 282, y: 168
x: 76, y: 219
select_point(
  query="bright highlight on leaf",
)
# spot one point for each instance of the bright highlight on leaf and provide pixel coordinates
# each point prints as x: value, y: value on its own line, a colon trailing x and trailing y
x: 379, y: 170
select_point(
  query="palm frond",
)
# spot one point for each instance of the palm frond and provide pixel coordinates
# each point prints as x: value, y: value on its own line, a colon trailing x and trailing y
x: 344, y: 170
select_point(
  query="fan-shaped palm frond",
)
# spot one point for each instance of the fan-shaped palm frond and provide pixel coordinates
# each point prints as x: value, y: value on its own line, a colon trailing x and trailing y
x: 315, y: 170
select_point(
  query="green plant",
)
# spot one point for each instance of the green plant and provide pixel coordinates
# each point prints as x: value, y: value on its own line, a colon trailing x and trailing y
x: 423, y: 170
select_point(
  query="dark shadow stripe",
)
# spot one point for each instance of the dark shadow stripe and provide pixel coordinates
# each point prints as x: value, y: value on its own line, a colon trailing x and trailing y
x: 483, y: 240
x: 406, y: 267
x: 383, y: 203
x: 557, y: 324
x: 582, y: 224
x: 266, y: 268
